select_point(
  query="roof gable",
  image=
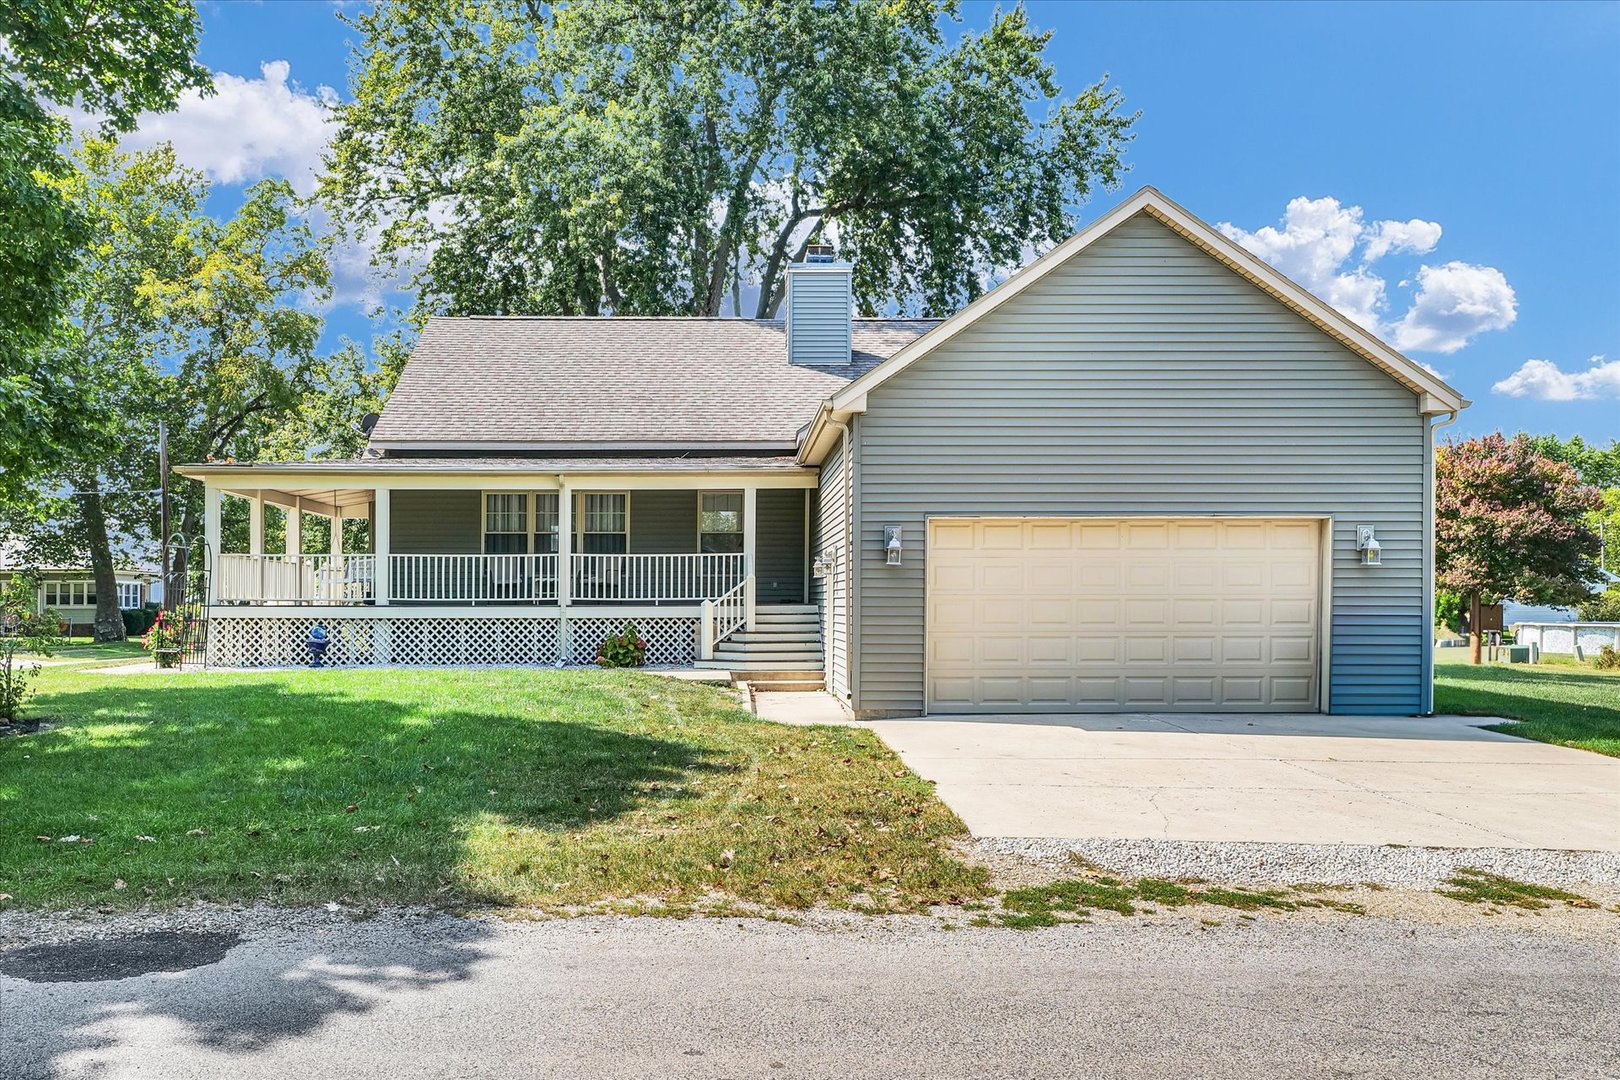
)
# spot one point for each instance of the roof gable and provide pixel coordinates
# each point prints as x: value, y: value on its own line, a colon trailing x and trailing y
x: 1434, y: 394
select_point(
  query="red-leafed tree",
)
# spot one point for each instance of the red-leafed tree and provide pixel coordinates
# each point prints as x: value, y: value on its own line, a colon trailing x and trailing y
x: 1510, y: 523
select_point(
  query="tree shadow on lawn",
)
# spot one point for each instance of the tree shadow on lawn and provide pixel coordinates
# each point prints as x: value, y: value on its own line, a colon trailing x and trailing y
x: 260, y: 791
x: 1523, y: 697
x: 242, y: 999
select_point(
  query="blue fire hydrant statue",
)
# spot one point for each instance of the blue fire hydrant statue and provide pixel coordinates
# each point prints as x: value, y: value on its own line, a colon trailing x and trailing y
x: 318, y: 641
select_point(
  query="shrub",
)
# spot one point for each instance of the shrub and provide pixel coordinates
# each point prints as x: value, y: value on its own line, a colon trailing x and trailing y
x: 627, y: 648
x: 26, y: 632
x: 1608, y: 658
x: 138, y: 621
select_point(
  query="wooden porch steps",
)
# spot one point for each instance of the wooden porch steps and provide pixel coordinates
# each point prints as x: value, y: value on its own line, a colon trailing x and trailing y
x: 781, y: 652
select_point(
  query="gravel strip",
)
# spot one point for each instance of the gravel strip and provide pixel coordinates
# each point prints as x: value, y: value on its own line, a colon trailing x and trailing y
x: 1330, y: 864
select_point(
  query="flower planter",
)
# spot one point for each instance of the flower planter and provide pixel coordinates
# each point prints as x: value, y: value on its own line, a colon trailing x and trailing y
x: 167, y: 658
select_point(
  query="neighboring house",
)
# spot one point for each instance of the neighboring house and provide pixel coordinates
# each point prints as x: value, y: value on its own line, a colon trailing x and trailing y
x: 1130, y: 478
x: 70, y: 591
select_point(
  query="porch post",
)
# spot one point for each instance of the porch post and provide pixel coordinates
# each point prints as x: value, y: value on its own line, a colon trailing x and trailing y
x: 337, y: 531
x: 295, y: 528
x: 565, y: 569
x: 750, y: 518
x: 211, y: 512
x: 381, y: 539
x: 256, y: 524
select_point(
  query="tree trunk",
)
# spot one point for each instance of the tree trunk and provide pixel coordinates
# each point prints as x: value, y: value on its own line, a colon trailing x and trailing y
x: 1475, y: 638
x: 109, y: 621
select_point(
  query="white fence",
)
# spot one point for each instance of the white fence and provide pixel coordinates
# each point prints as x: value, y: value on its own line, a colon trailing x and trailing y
x: 1566, y: 638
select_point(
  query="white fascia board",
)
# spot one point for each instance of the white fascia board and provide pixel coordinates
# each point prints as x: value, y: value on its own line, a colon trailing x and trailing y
x: 1148, y: 200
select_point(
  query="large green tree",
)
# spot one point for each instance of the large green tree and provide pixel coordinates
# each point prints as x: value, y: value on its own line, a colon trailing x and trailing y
x: 140, y: 212
x: 624, y: 157
x: 210, y: 326
x: 1511, y: 523
x: 115, y: 59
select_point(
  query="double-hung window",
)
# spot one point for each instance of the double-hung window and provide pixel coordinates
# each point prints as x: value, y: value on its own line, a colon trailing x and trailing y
x: 506, y: 524
x: 129, y: 595
x: 604, y: 524
x: 720, y: 522
x: 545, y: 523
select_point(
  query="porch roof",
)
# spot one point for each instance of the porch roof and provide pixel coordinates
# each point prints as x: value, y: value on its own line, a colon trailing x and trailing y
x: 482, y: 466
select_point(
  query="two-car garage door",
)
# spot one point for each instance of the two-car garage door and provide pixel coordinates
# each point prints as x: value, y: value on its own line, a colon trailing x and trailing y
x: 1136, y: 615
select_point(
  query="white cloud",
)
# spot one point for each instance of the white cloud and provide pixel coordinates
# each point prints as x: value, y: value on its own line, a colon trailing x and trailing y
x: 1417, y: 237
x: 1317, y: 244
x: 249, y: 129
x: 1546, y: 381
x: 271, y: 126
x: 1454, y: 302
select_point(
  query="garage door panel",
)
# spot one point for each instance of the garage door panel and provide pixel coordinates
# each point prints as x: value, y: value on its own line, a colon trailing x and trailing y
x: 1106, y: 614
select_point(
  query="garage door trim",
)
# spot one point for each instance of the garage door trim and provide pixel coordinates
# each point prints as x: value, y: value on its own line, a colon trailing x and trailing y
x: 1324, y: 523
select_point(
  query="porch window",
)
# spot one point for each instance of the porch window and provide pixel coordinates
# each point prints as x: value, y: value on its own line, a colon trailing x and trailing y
x: 129, y: 595
x: 720, y: 522
x: 506, y: 524
x: 604, y: 526
x: 545, y: 523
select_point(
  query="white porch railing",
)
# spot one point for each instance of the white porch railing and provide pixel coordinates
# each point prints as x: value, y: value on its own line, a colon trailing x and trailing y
x: 473, y: 579
x: 723, y: 616
x: 297, y: 579
x: 655, y: 577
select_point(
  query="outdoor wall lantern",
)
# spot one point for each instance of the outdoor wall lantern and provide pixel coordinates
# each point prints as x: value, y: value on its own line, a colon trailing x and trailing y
x: 891, y: 544
x: 1371, y: 553
x: 821, y: 566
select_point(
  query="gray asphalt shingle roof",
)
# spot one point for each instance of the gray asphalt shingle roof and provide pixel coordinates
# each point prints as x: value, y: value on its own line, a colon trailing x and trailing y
x: 670, y: 381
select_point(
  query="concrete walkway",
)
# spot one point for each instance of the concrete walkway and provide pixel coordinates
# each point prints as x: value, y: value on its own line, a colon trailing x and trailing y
x: 1439, y: 782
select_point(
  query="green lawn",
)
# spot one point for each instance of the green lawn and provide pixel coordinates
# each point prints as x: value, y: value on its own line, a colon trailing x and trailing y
x: 83, y: 648
x: 1563, y: 703
x: 534, y: 788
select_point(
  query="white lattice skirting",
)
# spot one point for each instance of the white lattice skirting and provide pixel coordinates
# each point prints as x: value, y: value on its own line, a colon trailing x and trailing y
x: 258, y: 642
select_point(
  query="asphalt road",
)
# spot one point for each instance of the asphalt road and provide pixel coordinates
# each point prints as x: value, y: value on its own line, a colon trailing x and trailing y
x: 398, y: 998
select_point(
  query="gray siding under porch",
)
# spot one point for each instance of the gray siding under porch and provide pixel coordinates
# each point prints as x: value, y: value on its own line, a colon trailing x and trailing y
x: 448, y: 522
x: 1145, y: 378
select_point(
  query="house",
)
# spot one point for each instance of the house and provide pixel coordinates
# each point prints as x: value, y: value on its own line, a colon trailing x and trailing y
x: 1145, y: 473
x: 70, y: 591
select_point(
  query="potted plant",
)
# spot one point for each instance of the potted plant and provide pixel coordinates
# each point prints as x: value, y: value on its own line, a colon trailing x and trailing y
x: 166, y: 639
x: 627, y: 648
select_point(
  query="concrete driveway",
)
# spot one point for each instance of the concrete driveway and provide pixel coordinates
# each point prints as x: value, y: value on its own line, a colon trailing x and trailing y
x: 1440, y: 782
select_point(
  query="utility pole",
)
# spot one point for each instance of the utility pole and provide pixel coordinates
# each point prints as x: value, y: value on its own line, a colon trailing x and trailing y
x: 163, y: 506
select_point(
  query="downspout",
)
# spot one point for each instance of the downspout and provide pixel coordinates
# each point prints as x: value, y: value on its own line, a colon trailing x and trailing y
x: 1426, y: 701
x: 850, y: 561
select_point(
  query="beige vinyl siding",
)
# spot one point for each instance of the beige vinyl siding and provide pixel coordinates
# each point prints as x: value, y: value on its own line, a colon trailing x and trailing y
x: 831, y: 592
x: 780, y: 546
x: 435, y: 522
x: 1144, y: 378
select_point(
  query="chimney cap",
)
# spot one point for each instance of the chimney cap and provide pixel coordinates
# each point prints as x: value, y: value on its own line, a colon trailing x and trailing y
x: 820, y: 253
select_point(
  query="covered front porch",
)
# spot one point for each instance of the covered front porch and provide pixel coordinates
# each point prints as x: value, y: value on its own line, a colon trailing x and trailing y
x: 693, y: 545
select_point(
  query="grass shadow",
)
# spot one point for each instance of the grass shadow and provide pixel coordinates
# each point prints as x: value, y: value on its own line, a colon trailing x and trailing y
x: 301, y: 795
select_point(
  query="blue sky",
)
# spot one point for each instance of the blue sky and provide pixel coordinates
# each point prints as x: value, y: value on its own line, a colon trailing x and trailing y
x: 1449, y: 174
